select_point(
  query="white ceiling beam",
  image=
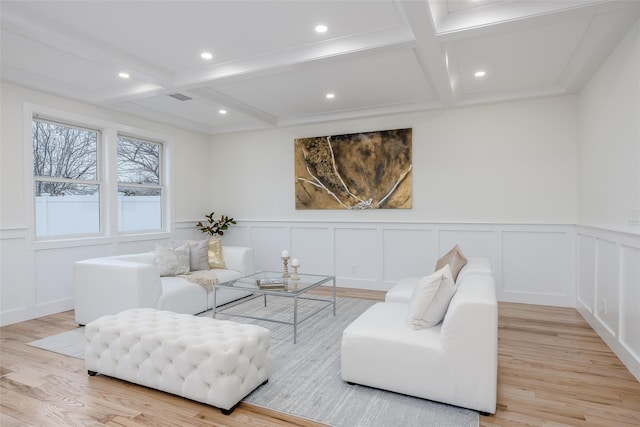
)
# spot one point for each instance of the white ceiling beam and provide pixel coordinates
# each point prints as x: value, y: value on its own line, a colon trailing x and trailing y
x: 208, y: 95
x: 54, y: 35
x: 429, y: 52
x: 271, y: 61
x: 459, y: 24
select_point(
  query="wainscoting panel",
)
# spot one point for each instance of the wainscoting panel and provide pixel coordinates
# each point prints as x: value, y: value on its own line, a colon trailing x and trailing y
x: 607, y: 301
x: 358, y: 256
x: 313, y: 248
x: 476, y: 243
x: 52, y: 274
x: 268, y: 242
x: 609, y: 289
x: 538, y: 264
x: 407, y: 253
x: 630, y: 300
x: 586, y: 292
x: 239, y: 235
x: 15, y: 297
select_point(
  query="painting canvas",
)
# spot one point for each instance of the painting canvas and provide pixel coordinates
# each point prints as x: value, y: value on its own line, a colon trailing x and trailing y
x: 370, y: 170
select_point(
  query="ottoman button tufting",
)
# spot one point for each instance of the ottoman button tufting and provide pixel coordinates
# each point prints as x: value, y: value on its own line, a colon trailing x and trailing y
x: 203, y: 359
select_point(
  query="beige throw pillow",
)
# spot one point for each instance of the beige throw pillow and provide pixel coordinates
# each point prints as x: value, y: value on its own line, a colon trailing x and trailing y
x: 172, y: 262
x: 431, y: 298
x: 455, y: 259
x: 216, y: 258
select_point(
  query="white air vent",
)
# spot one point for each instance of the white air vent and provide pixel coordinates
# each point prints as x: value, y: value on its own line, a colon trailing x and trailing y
x: 180, y: 97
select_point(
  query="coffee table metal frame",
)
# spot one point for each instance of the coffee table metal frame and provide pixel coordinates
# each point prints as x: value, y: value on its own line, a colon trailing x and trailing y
x: 294, y: 290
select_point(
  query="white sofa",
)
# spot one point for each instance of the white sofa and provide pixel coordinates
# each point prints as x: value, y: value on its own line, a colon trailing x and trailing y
x: 109, y: 285
x: 454, y: 362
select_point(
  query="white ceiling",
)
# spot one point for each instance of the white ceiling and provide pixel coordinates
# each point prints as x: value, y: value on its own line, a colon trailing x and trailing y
x: 270, y: 68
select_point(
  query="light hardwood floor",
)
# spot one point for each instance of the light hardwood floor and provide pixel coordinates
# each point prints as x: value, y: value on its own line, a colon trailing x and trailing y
x: 553, y: 370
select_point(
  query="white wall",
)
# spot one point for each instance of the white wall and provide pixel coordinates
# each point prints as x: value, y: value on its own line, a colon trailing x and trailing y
x: 502, y: 163
x: 500, y: 180
x: 609, y: 150
x: 608, y: 246
x: 36, y: 277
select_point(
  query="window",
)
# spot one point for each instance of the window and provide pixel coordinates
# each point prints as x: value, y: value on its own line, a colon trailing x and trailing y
x: 139, y: 185
x: 66, y: 179
x: 90, y: 179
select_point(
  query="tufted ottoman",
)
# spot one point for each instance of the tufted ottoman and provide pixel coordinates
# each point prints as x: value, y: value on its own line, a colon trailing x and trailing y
x: 217, y: 362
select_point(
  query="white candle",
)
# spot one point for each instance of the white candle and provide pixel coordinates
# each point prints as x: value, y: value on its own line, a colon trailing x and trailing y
x: 295, y: 262
x: 285, y: 254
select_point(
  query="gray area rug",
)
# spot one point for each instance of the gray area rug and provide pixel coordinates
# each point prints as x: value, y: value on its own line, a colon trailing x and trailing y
x: 305, y: 379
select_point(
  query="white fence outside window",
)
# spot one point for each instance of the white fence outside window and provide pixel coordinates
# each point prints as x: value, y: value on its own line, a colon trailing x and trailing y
x: 80, y: 214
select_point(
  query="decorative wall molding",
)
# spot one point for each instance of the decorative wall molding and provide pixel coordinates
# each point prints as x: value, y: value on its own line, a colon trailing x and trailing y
x: 608, y: 289
x: 532, y: 263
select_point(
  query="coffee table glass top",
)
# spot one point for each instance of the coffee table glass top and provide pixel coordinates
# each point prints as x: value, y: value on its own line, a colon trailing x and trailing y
x: 289, y: 286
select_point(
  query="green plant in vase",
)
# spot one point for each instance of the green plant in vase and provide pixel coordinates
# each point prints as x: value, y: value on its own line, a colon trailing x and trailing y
x: 215, y: 226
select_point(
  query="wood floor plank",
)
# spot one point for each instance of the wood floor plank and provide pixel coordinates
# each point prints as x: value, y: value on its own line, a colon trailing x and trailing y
x: 553, y: 370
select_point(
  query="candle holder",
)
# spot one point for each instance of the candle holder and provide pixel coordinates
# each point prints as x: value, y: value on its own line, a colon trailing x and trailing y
x: 285, y: 261
x: 295, y: 276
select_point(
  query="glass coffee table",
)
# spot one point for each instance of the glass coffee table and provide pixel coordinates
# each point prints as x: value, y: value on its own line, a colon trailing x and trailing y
x: 294, y: 289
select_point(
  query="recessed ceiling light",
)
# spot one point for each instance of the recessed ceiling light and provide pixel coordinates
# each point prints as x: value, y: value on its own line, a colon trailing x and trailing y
x: 124, y: 75
x: 206, y: 55
x: 480, y: 73
x: 321, y: 28
x: 330, y: 96
x: 222, y: 111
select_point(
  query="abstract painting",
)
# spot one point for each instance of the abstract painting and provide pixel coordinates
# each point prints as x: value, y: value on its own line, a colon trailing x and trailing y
x: 369, y: 170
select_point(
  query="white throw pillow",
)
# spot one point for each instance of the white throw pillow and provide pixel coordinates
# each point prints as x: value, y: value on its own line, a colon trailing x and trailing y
x: 172, y: 262
x: 198, y: 253
x: 431, y: 298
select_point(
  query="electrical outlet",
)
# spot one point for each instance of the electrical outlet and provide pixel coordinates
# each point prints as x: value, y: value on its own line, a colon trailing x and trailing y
x: 354, y: 269
x: 604, y: 306
x: 634, y: 216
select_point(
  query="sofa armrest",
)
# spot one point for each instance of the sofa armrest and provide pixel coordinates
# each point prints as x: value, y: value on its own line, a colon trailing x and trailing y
x: 469, y: 335
x: 109, y: 285
x: 239, y: 258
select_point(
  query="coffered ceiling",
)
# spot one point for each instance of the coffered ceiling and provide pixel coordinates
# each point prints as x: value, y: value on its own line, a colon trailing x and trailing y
x: 270, y: 67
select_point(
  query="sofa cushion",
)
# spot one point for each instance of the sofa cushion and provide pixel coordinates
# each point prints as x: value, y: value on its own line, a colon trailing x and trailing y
x: 172, y: 262
x: 474, y: 265
x: 216, y: 257
x: 455, y: 259
x: 431, y: 298
x: 199, y: 254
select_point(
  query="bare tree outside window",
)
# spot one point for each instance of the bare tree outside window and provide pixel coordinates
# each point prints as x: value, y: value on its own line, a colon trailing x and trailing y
x: 65, y: 174
x: 139, y: 185
x: 138, y: 161
x: 65, y: 153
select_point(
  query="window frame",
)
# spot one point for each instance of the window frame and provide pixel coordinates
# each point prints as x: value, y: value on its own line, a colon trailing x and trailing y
x: 106, y: 170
